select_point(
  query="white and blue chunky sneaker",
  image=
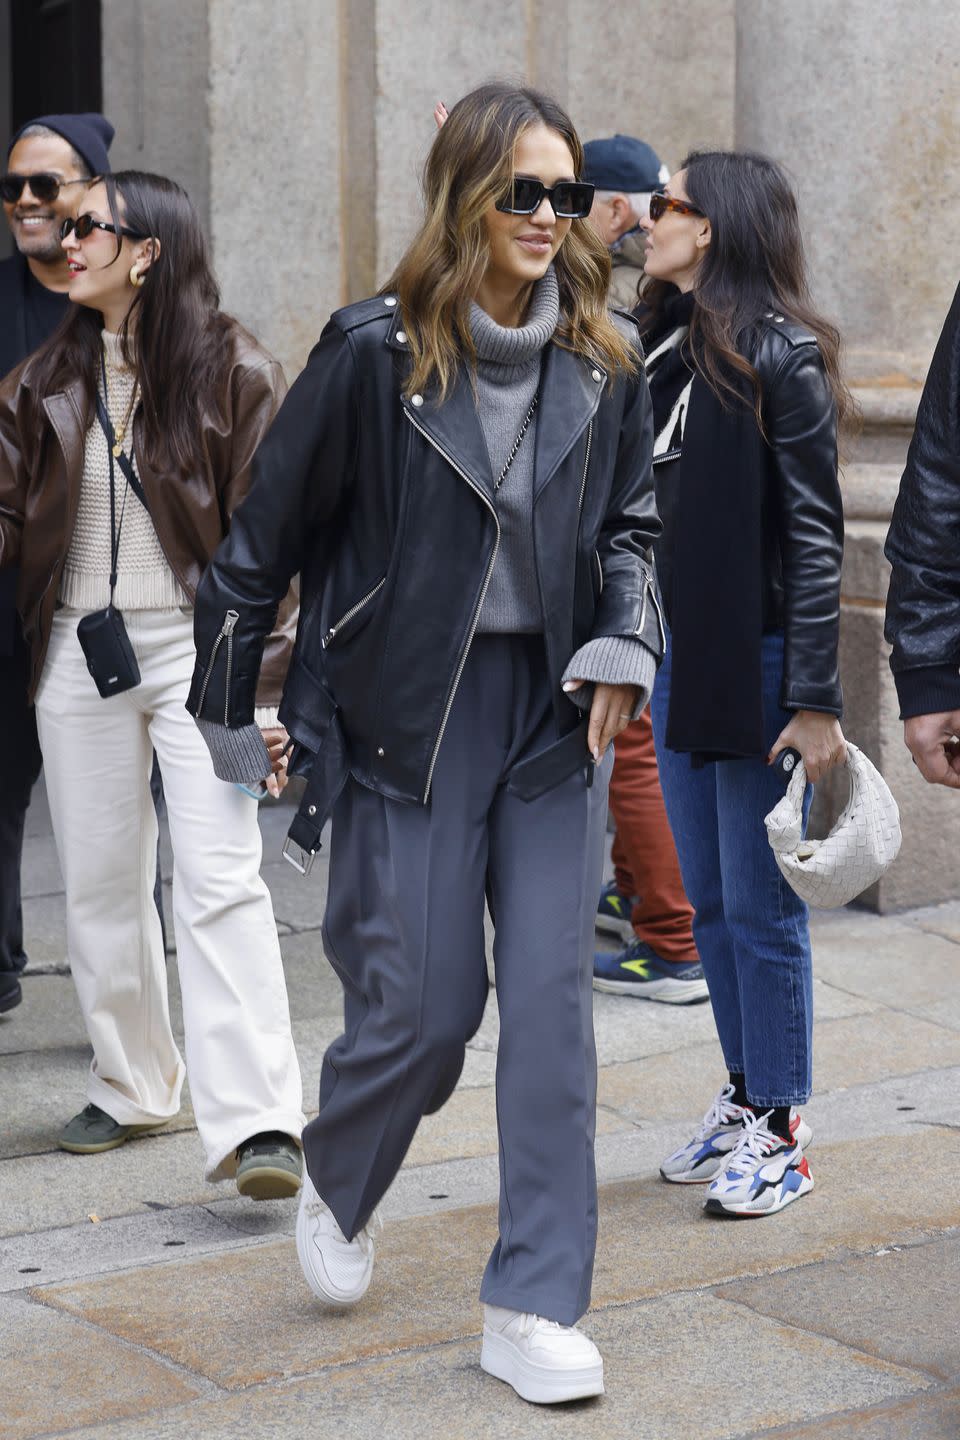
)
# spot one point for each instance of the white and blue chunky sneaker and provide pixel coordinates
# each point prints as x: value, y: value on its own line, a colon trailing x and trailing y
x: 704, y: 1156
x: 762, y: 1174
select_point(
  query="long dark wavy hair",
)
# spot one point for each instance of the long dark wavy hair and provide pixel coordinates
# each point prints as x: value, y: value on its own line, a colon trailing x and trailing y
x: 174, y: 332
x: 469, y: 167
x: 754, y: 264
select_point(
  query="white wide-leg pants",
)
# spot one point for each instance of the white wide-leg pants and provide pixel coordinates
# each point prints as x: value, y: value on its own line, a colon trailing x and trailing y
x: 244, y: 1076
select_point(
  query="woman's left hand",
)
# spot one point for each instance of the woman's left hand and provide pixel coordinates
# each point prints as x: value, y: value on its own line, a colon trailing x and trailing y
x: 276, y: 740
x: 819, y: 740
x: 610, y: 712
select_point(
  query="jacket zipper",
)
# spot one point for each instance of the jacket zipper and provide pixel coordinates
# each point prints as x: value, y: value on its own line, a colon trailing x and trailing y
x: 596, y: 556
x: 586, y: 466
x: 649, y: 590
x: 226, y: 633
x: 483, y: 595
x: 354, y: 610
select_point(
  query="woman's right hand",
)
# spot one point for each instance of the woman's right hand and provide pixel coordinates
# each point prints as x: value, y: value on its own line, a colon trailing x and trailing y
x: 818, y: 738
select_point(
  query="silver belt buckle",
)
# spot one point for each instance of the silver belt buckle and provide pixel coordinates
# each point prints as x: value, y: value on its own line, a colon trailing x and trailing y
x: 295, y: 855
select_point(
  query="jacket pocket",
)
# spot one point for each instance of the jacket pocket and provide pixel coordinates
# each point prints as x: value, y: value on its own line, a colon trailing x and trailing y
x: 352, y: 619
x: 548, y: 768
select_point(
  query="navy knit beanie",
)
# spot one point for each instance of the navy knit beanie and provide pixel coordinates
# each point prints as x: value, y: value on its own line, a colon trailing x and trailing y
x: 89, y: 134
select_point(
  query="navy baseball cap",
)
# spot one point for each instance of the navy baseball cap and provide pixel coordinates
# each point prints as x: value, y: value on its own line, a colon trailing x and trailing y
x: 623, y: 163
x: 90, y: 135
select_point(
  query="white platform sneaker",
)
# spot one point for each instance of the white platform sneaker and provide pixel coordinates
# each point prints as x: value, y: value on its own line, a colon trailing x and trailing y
x: 545, y: 1363
x: 337, y: 1270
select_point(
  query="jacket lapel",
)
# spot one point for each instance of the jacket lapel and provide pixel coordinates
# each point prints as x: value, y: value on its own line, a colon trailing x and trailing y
x: 570, y: 391
x: 64, y: 411
x: 454, y: 428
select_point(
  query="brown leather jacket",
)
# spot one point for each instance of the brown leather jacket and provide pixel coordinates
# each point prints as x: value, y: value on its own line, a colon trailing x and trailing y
x: 41, y: 468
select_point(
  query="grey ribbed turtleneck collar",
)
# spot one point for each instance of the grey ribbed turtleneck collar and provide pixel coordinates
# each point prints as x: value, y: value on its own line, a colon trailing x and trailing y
x: 509, y: 349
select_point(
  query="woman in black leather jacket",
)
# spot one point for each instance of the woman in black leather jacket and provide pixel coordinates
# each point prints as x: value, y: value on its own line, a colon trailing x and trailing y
x: 745, y: 384
x: 462, y: 476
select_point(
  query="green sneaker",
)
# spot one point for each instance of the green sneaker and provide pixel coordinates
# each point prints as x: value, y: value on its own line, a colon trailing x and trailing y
x: 93, y: 1130
x: 269, y: 1166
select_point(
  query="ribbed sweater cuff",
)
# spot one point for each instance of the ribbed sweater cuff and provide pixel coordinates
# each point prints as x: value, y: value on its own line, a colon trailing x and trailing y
x: 929, y: 690
x: 239, y: 756
x: 266, y: 717
x: 612, y: 660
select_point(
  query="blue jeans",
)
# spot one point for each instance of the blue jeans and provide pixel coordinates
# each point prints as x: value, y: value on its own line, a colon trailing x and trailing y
x: 751, y: 930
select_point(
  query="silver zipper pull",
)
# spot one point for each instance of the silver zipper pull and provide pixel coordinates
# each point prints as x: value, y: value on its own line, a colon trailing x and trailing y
x: 230, y: 622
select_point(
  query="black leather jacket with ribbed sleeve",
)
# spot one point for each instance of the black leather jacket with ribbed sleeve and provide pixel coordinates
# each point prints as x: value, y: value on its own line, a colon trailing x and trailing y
x: 385, y: 505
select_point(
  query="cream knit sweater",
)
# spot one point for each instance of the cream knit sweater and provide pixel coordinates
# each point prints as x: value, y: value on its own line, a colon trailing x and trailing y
x: 144, y: 579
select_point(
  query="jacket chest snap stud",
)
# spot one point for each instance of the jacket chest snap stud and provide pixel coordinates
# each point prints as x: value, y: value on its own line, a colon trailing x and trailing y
x: 380, y: 751
x: 401, y: 337
x: 311, y: 809
x: 416, y: 400
x: 597, y: 376
x: 390, y: 300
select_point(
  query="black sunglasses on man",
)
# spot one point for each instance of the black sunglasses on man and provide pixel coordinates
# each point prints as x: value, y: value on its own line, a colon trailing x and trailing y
x: 44, y: 186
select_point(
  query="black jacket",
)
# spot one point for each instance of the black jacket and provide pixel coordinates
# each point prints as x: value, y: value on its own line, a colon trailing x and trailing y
x: 29, y: 313
x: 385, y: 505
x: 801, y: 514
x: 923, y: 546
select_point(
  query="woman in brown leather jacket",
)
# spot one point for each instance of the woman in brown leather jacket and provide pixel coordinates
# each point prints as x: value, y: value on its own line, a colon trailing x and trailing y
x: 125, y: 444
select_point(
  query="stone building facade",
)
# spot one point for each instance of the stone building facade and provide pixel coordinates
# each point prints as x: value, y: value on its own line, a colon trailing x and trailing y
x: 300, y: 126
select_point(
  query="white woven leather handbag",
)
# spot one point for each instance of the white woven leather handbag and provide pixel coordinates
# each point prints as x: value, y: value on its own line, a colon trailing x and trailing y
x: 863, y: 843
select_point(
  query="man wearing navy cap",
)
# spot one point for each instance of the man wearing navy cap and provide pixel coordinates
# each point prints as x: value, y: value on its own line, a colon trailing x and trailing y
x: 625, y: 172
x: 644, y: 905
x: 49, y: 162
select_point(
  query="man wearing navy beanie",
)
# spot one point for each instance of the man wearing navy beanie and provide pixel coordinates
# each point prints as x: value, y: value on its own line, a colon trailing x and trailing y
x: 49, y: 162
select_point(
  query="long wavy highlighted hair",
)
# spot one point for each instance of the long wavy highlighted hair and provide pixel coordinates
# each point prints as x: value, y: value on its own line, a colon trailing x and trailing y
x: 469, y: 167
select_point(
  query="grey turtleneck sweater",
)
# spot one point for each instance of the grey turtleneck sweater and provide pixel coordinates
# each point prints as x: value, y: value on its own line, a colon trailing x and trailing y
x: 508, y: 376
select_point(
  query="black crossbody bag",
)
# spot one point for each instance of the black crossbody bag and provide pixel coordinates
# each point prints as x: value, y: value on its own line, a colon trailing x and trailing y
x: 103, y: 635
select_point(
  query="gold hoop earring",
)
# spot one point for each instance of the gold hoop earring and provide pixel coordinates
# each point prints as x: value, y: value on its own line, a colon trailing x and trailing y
x: 137, y: 277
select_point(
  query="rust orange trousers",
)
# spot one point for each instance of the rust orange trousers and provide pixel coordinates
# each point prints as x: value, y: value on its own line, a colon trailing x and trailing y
x: 644, y: 855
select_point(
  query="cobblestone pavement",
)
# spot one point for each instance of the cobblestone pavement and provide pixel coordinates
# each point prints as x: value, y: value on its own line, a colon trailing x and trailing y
x: 137, y: 1301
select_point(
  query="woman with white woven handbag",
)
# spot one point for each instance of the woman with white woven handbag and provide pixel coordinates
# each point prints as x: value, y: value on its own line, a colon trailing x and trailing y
x: 746, y: 391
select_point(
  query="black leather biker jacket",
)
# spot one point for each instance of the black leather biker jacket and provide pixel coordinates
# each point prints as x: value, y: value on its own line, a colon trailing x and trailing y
x: 385, y: 505
x: 923, y: 546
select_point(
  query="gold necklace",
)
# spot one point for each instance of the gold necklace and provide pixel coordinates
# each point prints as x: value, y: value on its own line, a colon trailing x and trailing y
x: 119, y: 435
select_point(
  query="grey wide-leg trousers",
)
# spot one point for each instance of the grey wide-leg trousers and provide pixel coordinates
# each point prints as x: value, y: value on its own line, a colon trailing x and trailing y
x: 404, y: 931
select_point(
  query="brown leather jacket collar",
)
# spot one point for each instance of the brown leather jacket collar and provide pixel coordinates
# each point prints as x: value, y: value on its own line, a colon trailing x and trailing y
x: 41, y: 469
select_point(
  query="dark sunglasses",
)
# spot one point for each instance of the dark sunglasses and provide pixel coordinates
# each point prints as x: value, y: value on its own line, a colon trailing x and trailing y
x: 570, y: 199
x: 661, y: 203
x: 84, y: 226
x: 44, y: 187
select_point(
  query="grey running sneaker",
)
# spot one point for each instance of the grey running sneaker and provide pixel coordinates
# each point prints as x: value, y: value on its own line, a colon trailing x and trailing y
x: 93, y: 1131
x: 269, y: 1166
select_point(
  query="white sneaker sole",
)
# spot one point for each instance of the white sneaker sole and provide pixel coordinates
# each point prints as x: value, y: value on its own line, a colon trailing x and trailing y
x: 540, y: 1384
x: 667, y: 991
x: 743, y: 1210
x: 311, y: 1263
x: 688, y: 1179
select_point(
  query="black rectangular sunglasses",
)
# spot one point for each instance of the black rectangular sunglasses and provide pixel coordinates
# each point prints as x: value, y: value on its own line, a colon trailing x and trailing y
x: 570, y: 199
x: 45, y: 187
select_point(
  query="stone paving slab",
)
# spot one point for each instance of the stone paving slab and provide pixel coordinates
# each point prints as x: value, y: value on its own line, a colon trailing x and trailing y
x: 857, y: 1050
x: 653, y: 1239
x: 890, y: 961
x: 58, y: 1373
x: 927, y: 1417
x: 882, y: 1305
x: 649, y: 1350
x: 48, y: 1018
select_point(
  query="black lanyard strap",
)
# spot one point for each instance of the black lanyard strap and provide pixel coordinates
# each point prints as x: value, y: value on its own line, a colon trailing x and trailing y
x: 106, y: 426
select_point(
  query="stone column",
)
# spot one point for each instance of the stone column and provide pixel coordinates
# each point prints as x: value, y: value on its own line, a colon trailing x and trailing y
x: 864, y: 110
